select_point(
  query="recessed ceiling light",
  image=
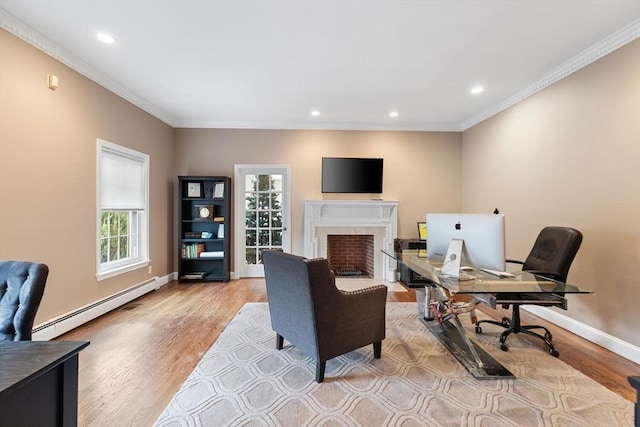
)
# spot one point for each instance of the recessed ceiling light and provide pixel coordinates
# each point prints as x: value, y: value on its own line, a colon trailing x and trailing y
x: 315, y: 113
x: 105, y: 38
x: 477, y: 89
x: 393, y: 114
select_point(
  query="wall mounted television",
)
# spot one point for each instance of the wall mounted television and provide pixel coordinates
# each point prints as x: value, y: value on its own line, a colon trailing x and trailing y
x: 351, y: 175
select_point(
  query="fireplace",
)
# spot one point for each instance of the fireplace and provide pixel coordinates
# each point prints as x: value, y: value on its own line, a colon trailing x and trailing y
x: 374, y: 218
x: 351, y: 255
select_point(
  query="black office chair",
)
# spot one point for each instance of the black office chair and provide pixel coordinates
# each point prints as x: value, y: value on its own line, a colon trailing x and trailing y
x: 551, y: 256
x: 21, y: 289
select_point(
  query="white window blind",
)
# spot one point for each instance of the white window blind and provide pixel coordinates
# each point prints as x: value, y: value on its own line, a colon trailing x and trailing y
x: 122, y: 180
x: 122, y: 219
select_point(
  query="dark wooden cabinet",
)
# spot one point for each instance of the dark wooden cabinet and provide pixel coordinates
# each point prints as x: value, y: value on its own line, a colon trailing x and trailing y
x: 204, y: 226
x: 408, y: 276
x: 39, y: 383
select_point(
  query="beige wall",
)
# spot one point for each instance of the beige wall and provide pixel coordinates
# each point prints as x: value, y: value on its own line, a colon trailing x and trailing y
x: 570, y: 155
x: 421, y: 169
x: 48, y: 174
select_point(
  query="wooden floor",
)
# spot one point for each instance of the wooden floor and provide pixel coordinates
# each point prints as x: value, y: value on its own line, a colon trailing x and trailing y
x: 141, y: 353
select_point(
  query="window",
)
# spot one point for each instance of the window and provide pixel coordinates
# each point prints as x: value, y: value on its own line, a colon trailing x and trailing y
x: 123, y: 188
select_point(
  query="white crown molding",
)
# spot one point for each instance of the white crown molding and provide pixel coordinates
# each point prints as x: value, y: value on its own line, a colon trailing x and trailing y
x: 603, y: 48
x: 39, y: 41
x: 424, y: 127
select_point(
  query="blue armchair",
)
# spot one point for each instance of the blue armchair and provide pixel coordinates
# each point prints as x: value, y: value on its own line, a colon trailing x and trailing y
x: 21, y: 289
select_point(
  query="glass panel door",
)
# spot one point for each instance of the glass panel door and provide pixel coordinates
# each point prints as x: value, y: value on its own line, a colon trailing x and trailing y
x: 262, y: 203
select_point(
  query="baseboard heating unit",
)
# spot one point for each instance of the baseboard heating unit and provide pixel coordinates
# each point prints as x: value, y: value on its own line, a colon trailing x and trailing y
x: 59, y: 325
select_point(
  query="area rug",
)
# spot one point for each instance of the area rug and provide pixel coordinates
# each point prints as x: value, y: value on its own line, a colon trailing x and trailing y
x: 244, y: 381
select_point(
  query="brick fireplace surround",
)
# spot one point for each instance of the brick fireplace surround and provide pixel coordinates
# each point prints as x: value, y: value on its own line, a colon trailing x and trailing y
x: 376, y: 218
x: 351, y: 255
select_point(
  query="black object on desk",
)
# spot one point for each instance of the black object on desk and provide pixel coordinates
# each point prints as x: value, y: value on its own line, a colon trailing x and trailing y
x: 408, y: 276
x: 39, y: 383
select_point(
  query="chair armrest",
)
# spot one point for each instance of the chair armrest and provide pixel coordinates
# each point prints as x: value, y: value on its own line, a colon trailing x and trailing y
x: 368, y: 292
x: 371, y: 294
x: 364, y: 302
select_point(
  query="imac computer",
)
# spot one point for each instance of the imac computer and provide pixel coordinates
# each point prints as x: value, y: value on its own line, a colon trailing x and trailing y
x: 483, y: 236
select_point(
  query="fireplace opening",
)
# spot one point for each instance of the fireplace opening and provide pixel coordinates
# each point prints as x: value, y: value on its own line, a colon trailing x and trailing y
x: 351, y: 255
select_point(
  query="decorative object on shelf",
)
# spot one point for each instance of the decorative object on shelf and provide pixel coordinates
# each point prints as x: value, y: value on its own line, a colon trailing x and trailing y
x: 204, y: 213
x: 218, y: 190
x: 221, y: 231
x: 194, y: 189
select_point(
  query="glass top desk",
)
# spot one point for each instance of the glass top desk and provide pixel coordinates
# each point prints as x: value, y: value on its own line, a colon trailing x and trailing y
x: 439, y: 312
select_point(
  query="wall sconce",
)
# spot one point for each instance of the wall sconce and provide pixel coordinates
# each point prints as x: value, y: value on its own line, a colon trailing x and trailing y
x: 52, y: 81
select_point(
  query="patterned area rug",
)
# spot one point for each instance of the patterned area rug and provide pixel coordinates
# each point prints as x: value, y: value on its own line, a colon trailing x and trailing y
x: 243, y: 381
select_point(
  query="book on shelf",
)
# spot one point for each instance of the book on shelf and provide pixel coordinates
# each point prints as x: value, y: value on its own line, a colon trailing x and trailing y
x: 212, y: 254
x: 198, y: 235
x: 221, y: 231
x: 192, y: 250
x: 195, y: 275
x: 218, y: 218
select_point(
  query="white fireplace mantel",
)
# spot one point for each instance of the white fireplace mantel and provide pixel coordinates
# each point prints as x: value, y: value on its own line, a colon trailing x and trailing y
x: 376, y: 217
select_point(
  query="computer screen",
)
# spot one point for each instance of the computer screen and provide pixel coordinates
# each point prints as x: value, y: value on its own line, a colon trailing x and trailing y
x: 483, y: 236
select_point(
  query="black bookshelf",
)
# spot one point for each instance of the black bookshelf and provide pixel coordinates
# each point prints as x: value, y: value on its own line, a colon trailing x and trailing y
x: 204, y: 226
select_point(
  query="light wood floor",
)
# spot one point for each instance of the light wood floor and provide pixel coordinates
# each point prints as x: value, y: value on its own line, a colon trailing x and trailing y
x: 141, y: 354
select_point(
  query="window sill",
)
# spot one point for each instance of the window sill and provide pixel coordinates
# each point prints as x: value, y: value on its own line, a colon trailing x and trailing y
x: 121, y: 270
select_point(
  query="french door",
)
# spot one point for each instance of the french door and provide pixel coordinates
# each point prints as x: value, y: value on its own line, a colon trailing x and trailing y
x: 262, y: 206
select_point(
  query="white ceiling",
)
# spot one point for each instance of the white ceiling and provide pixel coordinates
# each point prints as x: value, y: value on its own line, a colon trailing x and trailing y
x: 268, y: 64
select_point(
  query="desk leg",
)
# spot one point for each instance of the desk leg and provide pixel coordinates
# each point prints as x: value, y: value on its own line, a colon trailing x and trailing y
x: 472, y: 348
x: 69, y: 392
x: 479, y: 363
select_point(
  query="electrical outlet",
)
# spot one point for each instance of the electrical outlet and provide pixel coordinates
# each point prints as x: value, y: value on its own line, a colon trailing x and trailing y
x: 150, y: 269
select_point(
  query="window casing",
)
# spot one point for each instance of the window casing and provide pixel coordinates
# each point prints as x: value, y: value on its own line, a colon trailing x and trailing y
x: 123, y: 213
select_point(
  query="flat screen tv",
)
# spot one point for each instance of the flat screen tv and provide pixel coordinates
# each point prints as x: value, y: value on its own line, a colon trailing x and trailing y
x: 351, y: 175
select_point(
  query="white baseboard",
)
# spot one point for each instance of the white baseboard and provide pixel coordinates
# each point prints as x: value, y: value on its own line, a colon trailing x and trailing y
x: 59, y: 325
x: 587, y: 332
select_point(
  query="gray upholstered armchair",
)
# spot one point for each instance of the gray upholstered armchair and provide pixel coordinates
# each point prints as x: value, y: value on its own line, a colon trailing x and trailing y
x: 21, y: 289
x: 312, y: 314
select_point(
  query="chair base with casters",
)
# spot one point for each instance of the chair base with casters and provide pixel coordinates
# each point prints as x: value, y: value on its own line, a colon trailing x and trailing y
x: 514, y: 325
